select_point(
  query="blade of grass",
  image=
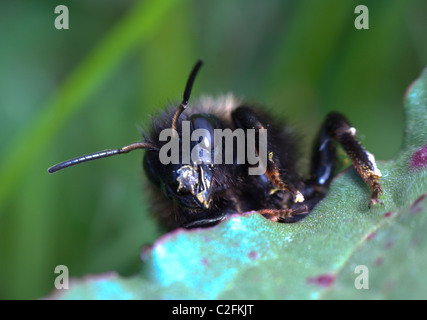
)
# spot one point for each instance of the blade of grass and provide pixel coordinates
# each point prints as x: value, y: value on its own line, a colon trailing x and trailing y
x: 135, y: 28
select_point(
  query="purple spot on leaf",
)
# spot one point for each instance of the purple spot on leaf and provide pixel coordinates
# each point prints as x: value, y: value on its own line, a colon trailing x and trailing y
x: 370, y: 236
x: 416, y: 207
x: 253, y: 255
x: 324, y: 280
x: 379, y: 261
x: 419, y: 158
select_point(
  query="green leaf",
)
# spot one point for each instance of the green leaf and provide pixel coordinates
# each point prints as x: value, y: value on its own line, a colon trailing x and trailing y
x: 250, y: 257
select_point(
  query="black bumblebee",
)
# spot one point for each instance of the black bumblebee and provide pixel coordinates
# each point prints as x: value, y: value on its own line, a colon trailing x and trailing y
x: 203, y: 191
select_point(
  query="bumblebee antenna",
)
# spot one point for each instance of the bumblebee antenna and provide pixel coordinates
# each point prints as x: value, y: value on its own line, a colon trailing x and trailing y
x: 137, y: 145
x: 100, y: 154
x: 187, y: 93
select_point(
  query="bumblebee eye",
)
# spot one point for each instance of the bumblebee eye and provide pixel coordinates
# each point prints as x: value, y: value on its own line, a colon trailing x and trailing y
x: 150, y: 171
x: 207, y: 122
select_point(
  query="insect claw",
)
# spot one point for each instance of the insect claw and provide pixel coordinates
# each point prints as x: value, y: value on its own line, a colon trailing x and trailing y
x: 374, y: 201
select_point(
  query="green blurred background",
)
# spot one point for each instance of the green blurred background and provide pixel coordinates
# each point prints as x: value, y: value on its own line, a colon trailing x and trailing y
x: 65, y: 93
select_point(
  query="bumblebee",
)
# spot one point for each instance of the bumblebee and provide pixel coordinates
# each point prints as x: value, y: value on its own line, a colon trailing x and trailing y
x: 202, y: 191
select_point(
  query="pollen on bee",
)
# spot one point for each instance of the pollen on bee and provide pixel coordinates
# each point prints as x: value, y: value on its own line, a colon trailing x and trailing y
x: 352, y: 131
x: 298, y: 197
x: 371, y: 158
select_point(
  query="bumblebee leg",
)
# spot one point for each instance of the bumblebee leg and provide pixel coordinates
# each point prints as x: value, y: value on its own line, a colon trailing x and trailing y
x: 337, y: 128
x: 246, y: 118
x: 280, y: 215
